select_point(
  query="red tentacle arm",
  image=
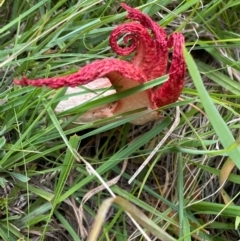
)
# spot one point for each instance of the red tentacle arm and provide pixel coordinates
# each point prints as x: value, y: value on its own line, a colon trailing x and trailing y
x: 111, y: 68
x: 170, y: 91
x: 141, y: 42
x: 151, y: 50
x: 159, y: 34
x: 136, y: 33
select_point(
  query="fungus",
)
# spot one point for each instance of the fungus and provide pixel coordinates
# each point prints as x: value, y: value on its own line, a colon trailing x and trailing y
x: 151, y: 44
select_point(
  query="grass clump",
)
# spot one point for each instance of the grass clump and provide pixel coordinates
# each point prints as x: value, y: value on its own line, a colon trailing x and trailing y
x: 45, y: 159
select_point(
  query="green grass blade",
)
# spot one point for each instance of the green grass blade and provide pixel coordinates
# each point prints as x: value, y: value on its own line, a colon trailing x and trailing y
x: 219, y: 125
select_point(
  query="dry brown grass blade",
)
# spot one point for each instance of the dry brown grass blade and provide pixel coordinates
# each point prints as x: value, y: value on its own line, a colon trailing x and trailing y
x: 224, y: 174
x: 1, y: 2
x: 173, y: 127
x: 136, y: 213
x: 87, y: 196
